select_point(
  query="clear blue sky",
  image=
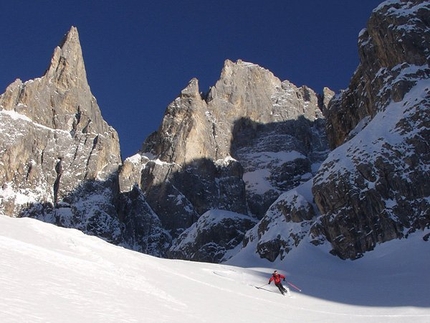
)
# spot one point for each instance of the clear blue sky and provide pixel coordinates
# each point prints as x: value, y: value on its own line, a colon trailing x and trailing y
x: 139, y: 54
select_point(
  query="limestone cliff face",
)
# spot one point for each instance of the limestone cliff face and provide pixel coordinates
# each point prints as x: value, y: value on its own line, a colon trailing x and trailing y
x: 61, y: 99
x: 197, y: 126
x: 53, y: 137
x: 374, y: 187
x: 395, y: 39
x: 236, y: 148
x: 251, y: 154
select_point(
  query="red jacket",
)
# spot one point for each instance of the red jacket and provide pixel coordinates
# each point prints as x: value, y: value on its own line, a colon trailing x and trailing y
x: 276, y: 278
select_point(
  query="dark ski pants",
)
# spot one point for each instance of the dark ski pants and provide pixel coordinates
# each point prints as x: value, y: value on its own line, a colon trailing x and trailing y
x: 281, y: 288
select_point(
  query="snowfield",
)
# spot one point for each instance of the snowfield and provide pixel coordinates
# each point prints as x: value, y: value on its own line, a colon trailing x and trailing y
x: 52, y: 274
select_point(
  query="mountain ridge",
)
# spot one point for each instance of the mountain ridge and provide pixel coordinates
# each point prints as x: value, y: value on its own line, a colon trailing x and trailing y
x: 255, y: 150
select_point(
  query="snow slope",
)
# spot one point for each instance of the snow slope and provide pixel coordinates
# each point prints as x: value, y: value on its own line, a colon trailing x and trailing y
x: 52, y: 274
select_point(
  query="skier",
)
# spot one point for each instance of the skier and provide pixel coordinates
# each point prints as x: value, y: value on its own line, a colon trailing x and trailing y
x: 276, y: 277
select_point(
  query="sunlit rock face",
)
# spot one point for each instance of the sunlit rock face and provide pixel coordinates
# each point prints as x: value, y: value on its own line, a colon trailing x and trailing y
x: 235, y: 148
x: 56, y: 147
x: 245, y: 167
x: 373, y: 187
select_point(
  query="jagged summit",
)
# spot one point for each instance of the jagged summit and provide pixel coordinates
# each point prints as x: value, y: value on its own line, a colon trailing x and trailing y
x: 53, y: 137
x: 230, y: 70
x: 194, y: 127
x: 253, y: 150
x: 230, y: 67
x: 63, y: 89
x: 225, y: 151
x: 67, y: 68
x: 72, y: 36
x: 192, y: 89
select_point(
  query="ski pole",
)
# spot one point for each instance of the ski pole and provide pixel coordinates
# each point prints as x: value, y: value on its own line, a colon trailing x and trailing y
x: 294, y: 286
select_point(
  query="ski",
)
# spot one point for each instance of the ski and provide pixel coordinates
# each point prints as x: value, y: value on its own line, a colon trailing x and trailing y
x: 267, y: 290
x: 273, y: 291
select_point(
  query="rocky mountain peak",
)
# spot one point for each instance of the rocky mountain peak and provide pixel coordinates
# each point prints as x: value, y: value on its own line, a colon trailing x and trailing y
x: 406, y: 24
x: 67, y: 68
x: 218, y: 149
x: 194, y: 127
x: 248, y: 161
x: 192, y: 89
x: 53, y: 138
x: 61, y: 98
x: 373, y: 186
x: 395, y: 39
x: 380, y: 126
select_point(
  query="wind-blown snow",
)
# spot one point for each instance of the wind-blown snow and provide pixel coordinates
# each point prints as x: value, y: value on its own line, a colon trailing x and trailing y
x: 52, y: 274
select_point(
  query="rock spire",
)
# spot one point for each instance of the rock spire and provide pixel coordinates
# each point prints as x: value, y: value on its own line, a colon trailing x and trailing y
x: 53, y: 137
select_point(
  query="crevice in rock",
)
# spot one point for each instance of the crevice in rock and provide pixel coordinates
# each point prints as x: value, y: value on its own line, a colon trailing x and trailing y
x: 59, y: 172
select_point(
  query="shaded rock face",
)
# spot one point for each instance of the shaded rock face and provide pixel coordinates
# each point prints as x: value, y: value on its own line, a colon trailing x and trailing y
x: 374, y: 187
x: 252, y: 149
x: 197, y: 126
x: 236, y: 148
x: 284, y: 226
x: 393, y: 44
x: 211, y: 238
x: 142, y: 229
x: 277, y: 157
x: 56, y: 147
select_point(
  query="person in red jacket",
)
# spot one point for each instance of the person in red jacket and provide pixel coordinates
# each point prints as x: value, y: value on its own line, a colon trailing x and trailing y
x: 276, y: 277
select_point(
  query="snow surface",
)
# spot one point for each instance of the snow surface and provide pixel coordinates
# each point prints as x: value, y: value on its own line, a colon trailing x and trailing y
x: 52, y: 274
x: 258, y: 180
x: 370, y: 141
